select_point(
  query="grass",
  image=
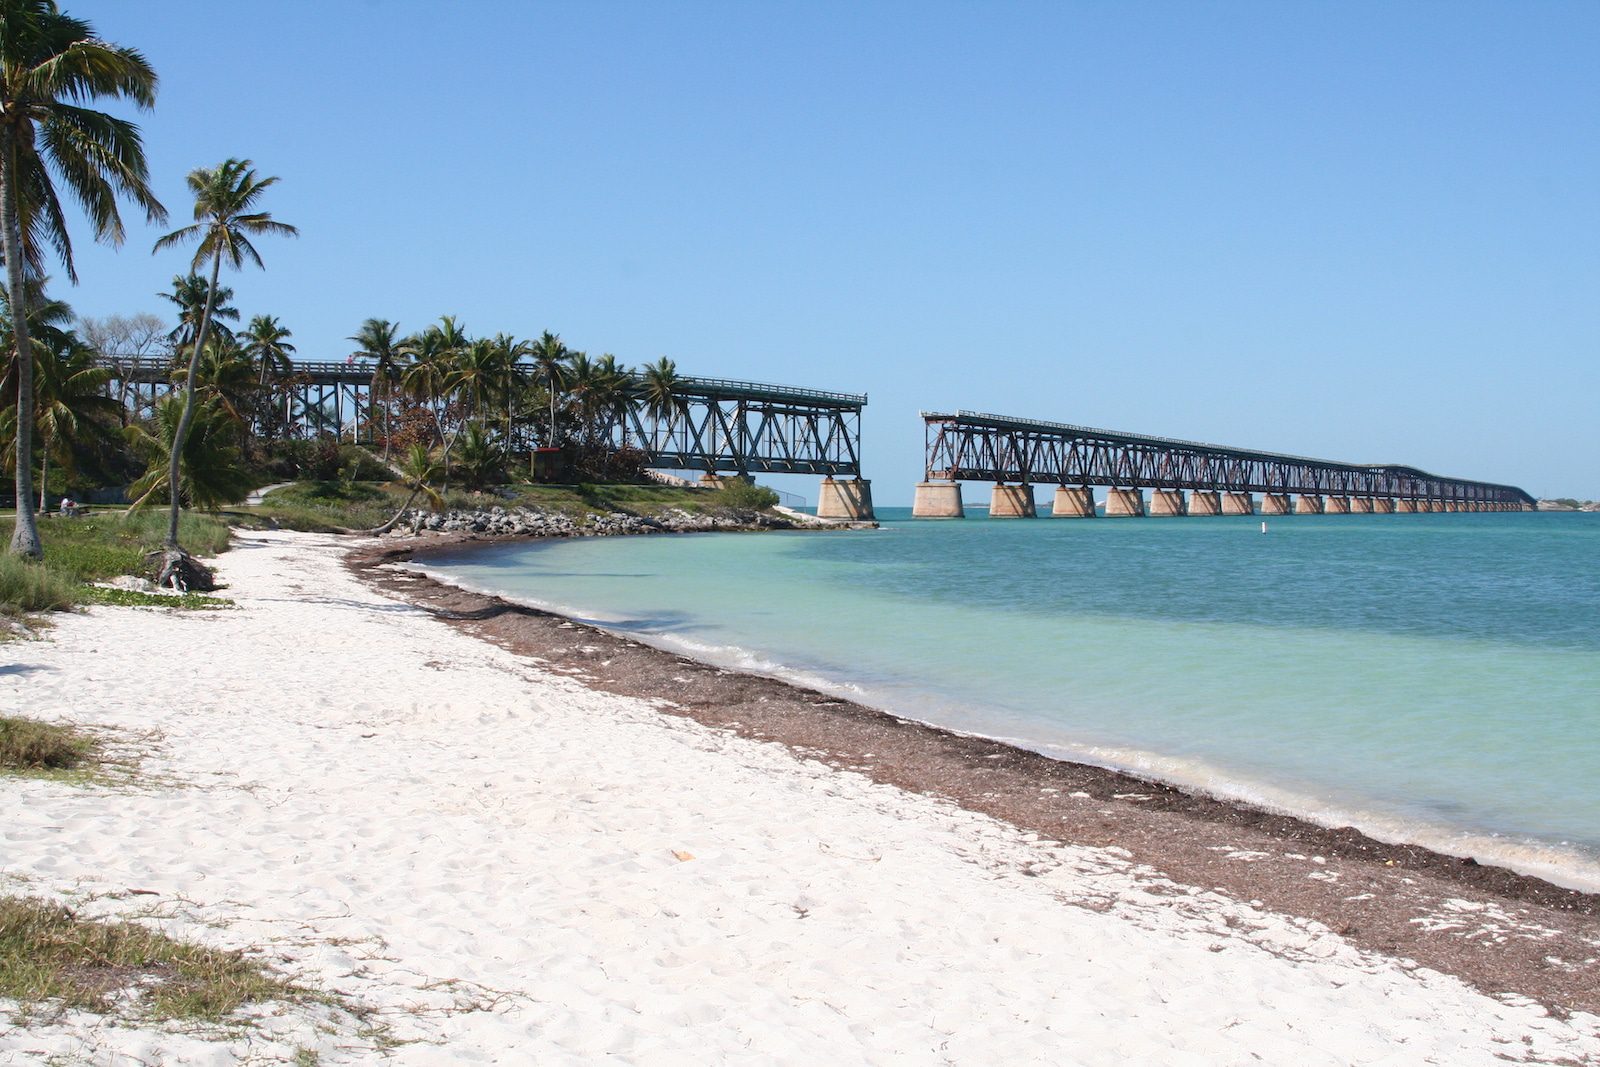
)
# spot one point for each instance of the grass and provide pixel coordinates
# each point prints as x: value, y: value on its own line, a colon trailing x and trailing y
x: 27, y: 587
x: 30, y: 745
x: 96, y: 547
x: 50, y: 958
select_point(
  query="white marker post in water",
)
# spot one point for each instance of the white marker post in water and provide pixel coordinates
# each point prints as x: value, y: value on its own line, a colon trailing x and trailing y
x: 1263, y: 527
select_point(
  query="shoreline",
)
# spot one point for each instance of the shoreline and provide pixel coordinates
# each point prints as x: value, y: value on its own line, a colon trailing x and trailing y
x: 1499, y: 930
x: 1581, y: 873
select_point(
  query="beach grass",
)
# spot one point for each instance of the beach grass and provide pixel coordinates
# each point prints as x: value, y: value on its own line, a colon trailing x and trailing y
x: 94, y: 548
x: 53, y: 959
x: 30, y: 745
x: 28, y: 587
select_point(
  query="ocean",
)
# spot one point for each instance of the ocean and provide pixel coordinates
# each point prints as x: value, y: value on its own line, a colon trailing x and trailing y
x: 1426, y: 678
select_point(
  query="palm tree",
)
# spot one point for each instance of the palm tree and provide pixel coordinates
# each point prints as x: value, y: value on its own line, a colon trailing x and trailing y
x: 659, y: 391
x: 224, y: 197
x: 189, y: 294
x: 71, y: 405
x: 377, y: 341
x: 509, y: 384
x: 213, y: 470
x: 266, y: 342
x: 50, y: 65
x: 419, y: 469
x: 266, y: 346
x: 551, y: 368
x: 228, y: 375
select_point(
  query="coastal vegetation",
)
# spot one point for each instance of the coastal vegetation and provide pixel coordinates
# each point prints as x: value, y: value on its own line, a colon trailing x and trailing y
x: 96, y: 548
x: 52, y: 960
x: 50, y: 65
x: 30, y: 745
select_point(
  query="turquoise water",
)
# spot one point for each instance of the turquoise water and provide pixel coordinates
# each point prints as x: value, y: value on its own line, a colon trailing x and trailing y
x: 1433, y: 678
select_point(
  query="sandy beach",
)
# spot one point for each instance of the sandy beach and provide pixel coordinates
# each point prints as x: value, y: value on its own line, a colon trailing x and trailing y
x: 497, y: 851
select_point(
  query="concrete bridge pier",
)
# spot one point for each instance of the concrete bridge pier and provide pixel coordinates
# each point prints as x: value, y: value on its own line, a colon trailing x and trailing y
x: 937, y: 500
x: 1124, y: 502
x: 1406, y: 506
x: 1167, y: 502
x: 1012, y: 502
x: 845, y: 500
x: 1362, y: 505
x: 1073, y: 503
x: 1275, y: 503
x: 1308, y: 504
x: 1384, y: 505
x: 1338, y: 505
x: 1238, y: 504
x: 1205, y: 502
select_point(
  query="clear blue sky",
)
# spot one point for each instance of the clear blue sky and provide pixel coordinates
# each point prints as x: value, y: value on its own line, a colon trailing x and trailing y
x: 1358, y: 231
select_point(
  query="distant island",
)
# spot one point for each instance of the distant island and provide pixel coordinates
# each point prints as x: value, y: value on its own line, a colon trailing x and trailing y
x: 1566, y: 503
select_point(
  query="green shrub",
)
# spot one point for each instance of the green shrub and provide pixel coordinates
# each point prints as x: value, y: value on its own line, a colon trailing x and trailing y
x: 740, y: 495
x: 27, y: 586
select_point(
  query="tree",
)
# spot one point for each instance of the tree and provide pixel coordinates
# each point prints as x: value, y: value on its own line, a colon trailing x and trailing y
x: 550, y: 368
x: 266, y: 345
x: 377, y: 341
x: 189, y: 295
x: 225, y: 197
x: 125, y: 340
x: 69, y: 390
x: 659, y: 392
x: 266, y: 342
x: 50, y: 65
x: 420, y: 470
x: 213, y: 471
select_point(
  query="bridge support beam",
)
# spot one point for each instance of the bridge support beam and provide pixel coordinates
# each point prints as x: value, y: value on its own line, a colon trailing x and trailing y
x: 1238, y: 504
x: 1362, y: 505
x: 1073, y: 503
x: 1275, y: 503
x: 1338, y: 505
x: 937, y: 500
x: 1011, y: 502
x: 1384, y: 505
x: 845, y: 500
x: 1205, y: 502
x: 1167, y: 502
x: 1406, y: 506
x: 1124, y: 502
x: 1308, y: 504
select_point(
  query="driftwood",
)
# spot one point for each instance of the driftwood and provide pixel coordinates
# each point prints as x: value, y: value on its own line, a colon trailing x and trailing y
x: 176, y: 569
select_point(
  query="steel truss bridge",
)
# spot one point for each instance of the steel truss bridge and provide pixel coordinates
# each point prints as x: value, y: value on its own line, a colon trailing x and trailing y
x: 974, y: 446
x: 718, y: 425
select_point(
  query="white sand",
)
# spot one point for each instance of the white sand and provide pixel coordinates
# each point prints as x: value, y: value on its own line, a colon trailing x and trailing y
x: 485, y: 855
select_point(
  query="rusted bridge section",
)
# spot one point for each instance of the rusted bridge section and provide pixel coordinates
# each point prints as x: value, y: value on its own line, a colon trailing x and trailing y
x: 1015, y: 454
x: 715, y: 426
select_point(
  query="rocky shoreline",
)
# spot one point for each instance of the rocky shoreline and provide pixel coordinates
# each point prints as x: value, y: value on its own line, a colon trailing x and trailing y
x: 533, y: 522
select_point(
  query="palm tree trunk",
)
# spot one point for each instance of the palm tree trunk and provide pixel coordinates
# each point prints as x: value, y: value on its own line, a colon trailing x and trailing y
x: 25, y: 538
x: 379, y: 531
x: 44, y: 477
x: 187, y: 417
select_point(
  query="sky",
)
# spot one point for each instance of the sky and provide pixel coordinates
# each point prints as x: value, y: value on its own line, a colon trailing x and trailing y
x: 1359, y: 231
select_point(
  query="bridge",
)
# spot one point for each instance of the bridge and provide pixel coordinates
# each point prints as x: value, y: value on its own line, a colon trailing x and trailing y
x: 1016, y: 454
x: 718, y: 426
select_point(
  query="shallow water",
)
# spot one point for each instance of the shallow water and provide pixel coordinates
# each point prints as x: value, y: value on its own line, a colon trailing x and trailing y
x: 1433, y: 678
